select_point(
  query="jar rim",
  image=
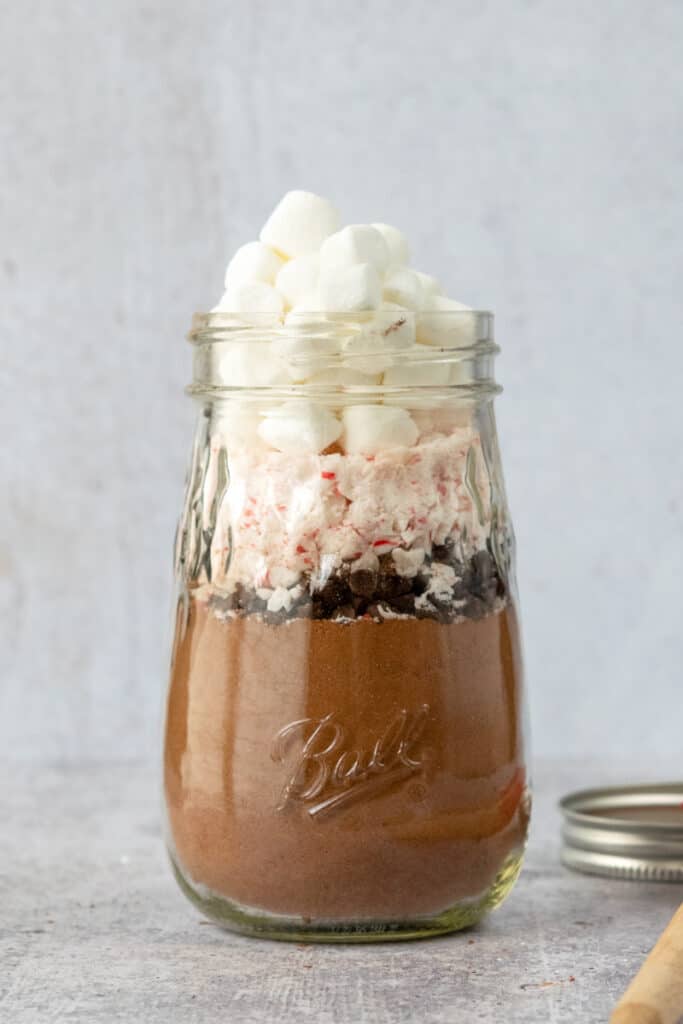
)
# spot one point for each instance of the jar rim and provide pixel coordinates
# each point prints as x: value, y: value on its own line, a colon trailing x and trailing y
x: 449, y: 351
x: 223, y: 325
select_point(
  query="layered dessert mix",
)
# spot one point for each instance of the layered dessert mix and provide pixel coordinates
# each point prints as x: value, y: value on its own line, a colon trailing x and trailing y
x: 343, y: 735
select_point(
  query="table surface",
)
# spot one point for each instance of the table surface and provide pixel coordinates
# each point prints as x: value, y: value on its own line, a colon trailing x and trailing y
x: 92, y: 927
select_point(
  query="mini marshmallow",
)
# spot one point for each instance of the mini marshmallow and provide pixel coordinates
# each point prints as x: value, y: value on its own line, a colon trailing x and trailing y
x: 421, y: 372
x: 369, y: 429
x: 399, y: 251
x: 417, y: 374
x: 297, y: 427
x: 350, y: 289
x: 236, y: 425
x: 300, y: 223
x: 305, y: 354
x: 430, y: 285
x: 367, y: 561
x: 249, y: 364
x: 359, y: 353
x: 408, y: 563
x: 403, y: 287
x: 341, y: 378
x: 396, y: 324
x: 309, y: 303
x: 390, y: 329
x: 298, y: 279
x: 435, y: 328
x: 357, y: 243
x: 252, y: 262
x: 279, y: 600
x: 254, y: 297
x: 344, y: 377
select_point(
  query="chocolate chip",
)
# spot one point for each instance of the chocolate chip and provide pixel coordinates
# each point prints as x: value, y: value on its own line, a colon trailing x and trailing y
x: 357, y: 593
x: 404, y: 604
x: 444, y: 552
x: 430, y: 611
x: 363, y: 582
x: 347, y: 611
x: 392, y: 585
x: 475, y: 608
x: 336, y: 592
x: 373, y: 611
x: 420, y: 584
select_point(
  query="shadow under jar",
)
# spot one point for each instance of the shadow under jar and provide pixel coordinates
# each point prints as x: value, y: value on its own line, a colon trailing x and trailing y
x: 344, y: 739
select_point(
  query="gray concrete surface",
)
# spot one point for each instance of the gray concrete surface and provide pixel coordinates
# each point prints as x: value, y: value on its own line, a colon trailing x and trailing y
x: 93, y: 928
x: 531, y: 150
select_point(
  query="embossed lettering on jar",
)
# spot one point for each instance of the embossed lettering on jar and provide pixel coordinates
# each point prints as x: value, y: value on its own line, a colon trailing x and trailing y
x: 344, y: 743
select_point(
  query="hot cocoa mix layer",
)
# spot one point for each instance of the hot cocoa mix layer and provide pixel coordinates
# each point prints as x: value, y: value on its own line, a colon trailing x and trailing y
x: 370, y: 770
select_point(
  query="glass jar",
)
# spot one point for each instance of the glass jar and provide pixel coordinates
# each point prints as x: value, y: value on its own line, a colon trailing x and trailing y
x: 344, y: 741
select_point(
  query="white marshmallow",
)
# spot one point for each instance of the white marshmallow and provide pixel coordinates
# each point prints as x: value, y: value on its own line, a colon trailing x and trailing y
x: 408, y: 563
x: 417, y: 374
x: 341, y: 377
x: 350, y: 289
x: 461, y: 373
x: 249, y: 364
x: 300, y: 222
x: 430, y: 285
x: 237, y: 424
x: 390, y: 329
x: 254, y: 297
x: 435, y: 328
x: 309, y: 303
x: 344, y: 377
x: 359, y: 353
x: 280, y: 599
x: 396, y: 324
x: 368, y: 561
x: 297, y: 427
x: 357, y: 243
x: 369, y: 429
x: 305, y: 354
x: 252, y: 262
x: 298, y: 278
x: 403, y: 287
x: 399, y: 251
x: 421, y: 374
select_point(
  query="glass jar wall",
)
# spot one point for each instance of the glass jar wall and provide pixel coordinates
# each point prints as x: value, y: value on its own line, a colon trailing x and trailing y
x: 344, y: 743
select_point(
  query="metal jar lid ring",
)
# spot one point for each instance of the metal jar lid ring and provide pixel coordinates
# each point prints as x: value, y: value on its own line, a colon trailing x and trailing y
x: 625, y: 832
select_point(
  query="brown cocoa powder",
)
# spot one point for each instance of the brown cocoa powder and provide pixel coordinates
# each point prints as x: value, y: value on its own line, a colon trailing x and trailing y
x: 344, y: 771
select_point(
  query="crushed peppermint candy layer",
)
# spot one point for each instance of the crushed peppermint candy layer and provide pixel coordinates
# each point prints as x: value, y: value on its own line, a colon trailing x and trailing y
x: 287, y: 520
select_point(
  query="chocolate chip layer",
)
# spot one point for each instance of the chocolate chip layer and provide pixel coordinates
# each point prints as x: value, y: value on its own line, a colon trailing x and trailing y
x: 382, y: 593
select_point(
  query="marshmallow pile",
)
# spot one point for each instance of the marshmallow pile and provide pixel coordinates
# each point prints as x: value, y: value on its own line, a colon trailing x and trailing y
x: 306, y: 265
x: 305, y: 261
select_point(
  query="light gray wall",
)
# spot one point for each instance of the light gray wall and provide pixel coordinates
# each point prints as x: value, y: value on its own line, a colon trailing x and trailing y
x: 533, y: 153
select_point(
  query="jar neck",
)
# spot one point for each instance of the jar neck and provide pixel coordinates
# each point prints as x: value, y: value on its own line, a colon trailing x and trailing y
x: 385, y: 354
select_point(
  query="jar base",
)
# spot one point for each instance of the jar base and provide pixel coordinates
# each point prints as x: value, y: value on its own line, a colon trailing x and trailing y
x: 259, y: 924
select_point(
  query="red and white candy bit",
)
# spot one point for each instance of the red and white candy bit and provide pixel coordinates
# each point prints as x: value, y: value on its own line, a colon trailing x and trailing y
x: 293, y: 511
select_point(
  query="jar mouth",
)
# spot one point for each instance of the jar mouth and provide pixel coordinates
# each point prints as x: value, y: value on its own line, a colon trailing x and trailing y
x: 394, y: 352
x: 223, y: 326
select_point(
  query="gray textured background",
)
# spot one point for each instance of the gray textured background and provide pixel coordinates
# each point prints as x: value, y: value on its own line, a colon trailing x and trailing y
x: 531, y: 150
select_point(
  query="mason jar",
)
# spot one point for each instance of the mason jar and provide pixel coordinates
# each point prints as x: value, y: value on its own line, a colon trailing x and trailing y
x: 344, y: 740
